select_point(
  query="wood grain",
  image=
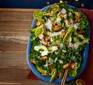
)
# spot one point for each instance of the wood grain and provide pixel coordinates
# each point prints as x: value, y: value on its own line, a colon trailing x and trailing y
x: 11, y: 76
x: 15, y: 27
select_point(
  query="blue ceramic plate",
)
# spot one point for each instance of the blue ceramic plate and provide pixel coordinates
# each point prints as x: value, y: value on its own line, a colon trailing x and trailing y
x: 57, y: 80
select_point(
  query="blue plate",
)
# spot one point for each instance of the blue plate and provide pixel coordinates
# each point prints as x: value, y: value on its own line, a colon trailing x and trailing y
x: 57, y: 80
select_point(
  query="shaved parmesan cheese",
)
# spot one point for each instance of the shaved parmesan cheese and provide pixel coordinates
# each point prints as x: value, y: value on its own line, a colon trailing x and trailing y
x: 58, y: 21
x: 70, y: 44
x: 43, y: 53
x: 76, y: 25
x: 60, y: 61
x: 41, y: 36
x: 48, y: 24
x: 50, y: 61
x: 76, y: 45
x: 36, y: 48
x: 51, y: 39
x: 67, y: 23
x: 54, y: 33
x: 64, y: 51
x: 46, y: 65
x: 63, y: 11
x: 55, y: 60
x: 54, y: 48
x: 61, y: 45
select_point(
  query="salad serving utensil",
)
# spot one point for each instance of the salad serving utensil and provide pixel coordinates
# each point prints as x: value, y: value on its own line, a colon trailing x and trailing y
x: 64, y: 77
x: 65, y: 74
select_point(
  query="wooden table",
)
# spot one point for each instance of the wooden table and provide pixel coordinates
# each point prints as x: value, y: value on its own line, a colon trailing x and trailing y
x: 14, y: 31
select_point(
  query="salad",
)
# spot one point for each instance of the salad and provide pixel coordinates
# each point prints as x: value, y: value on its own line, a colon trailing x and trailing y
x: 60, y: 35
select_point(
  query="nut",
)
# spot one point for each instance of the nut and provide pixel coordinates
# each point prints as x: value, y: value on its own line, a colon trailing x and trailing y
x: 33, y: 61
x: 56, y: 28
x: 38, y: 23
x: 62, y: 15
x: 65, y: 66
x: 72, y: 66
x: 63, y: 33
x: 43, y: 58
x: 78, y: 14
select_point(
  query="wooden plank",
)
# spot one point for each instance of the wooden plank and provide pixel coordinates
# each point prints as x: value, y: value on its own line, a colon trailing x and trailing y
x: 9, y: 45
x: 12, y: 76
x: 18, y: 76
x: 14, y: 59
x: 20, y: 37
x: 15, y: 21
x: 18, y: 9
x: 15, y: 29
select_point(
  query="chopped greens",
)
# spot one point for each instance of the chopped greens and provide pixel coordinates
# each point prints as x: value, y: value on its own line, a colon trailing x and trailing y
x: 60, y: 35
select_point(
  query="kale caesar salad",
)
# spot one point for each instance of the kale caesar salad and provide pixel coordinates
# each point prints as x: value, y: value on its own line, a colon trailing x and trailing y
x: 60, y: 34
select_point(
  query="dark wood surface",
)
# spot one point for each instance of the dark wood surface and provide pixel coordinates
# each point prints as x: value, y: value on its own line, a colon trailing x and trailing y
x: 14, y: 32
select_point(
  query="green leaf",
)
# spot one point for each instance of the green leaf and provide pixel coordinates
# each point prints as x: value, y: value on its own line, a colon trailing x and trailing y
x: 62, y: 5
x: 54, y: 11
x: 38, y: 14
x: 79, y: 35
x: 74, y: 72
x: 70, y: 30
x: 37, y: 30
x: 70, y: 9
x: 83, y: 22
x: 53, y: 74
x: 40, y: 69
x: 33, y: 36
